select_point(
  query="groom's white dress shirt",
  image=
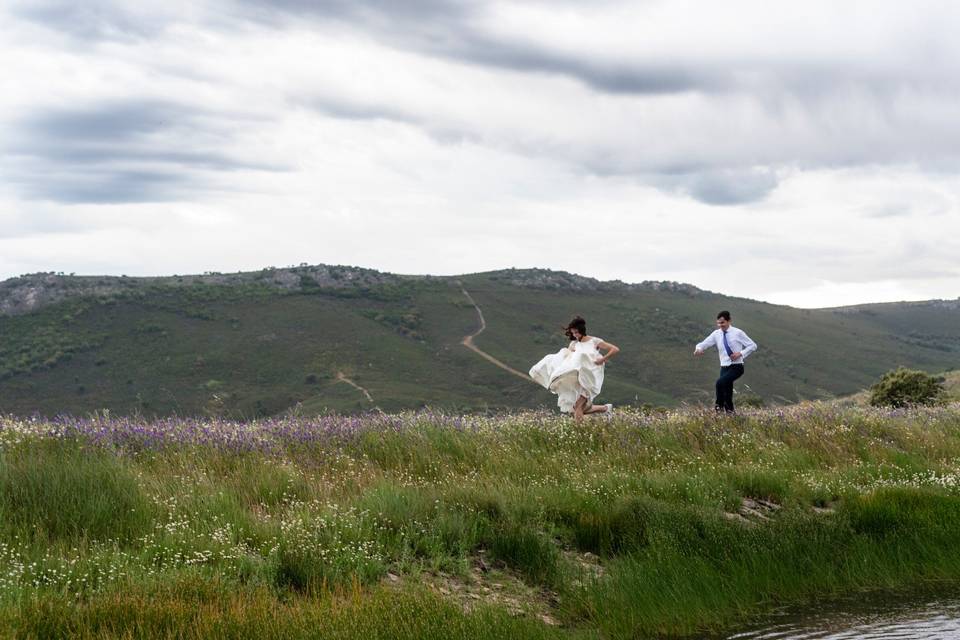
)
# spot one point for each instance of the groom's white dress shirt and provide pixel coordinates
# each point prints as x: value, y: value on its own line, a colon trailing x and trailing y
x: 738, y: 341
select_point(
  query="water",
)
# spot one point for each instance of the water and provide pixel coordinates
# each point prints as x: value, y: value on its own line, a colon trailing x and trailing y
x: 867, y: 617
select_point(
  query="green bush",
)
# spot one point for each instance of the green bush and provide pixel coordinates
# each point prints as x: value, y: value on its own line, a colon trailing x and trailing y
x: 751, y: 400
x: 904, y: 387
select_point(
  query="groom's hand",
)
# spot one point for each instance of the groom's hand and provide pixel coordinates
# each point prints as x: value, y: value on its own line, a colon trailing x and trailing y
x: 735, y: 355
x: 599, y: 361
x: 698, y: 352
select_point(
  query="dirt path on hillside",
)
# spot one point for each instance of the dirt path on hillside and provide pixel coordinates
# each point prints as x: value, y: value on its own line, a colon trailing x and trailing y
x: 468, y: 342
x: 342, y: 377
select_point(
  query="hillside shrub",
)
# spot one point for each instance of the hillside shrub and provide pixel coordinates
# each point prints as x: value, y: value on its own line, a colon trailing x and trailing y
x: 751, y: 400
x: 905, y: 387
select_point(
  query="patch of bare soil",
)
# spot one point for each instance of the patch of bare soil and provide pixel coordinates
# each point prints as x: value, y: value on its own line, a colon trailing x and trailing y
x: 586, y: 565
x: 753, y: 511
x: 493, y: 583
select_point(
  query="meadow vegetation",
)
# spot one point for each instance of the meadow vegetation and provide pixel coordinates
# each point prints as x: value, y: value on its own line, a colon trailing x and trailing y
x: 426, y: 524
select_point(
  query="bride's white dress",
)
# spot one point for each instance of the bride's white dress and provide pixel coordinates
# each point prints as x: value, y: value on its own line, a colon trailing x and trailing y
x: 571, y: 373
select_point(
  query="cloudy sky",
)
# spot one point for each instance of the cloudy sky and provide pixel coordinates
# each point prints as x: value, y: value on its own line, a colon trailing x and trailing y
x: 805, y: 153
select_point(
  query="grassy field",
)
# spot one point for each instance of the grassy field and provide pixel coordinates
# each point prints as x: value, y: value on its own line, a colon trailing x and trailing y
x: 429, y: 525
x: 265, y: 343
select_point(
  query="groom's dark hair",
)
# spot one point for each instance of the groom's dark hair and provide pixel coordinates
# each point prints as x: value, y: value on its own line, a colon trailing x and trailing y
x: 577, y: 323
x: 725, y: 315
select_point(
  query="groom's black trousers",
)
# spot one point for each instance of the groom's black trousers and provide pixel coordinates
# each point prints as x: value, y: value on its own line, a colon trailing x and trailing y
x: 725, y: 386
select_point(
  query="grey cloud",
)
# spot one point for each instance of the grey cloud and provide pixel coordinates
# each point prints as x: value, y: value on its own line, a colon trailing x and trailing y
x: 799, y: 99
x: 90, y: 19
x: 730, y: 186
x: 803, y: 119
x: 451, y: 29
x: 712, y: 185
x: 922, y: 204
x: 107, y: 187
x: 807, y: 80
x: 344, y: 109
x: 889, y: 210
x: 709, y: 183
x: 448, y: 29
x: 131, y: 151
x: 635, y: 77
x: 108, y: 122
x: 372, y: 9
x: 336, y: 107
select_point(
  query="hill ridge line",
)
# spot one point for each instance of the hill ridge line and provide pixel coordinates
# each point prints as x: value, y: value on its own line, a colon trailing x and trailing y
x: 29, y: 292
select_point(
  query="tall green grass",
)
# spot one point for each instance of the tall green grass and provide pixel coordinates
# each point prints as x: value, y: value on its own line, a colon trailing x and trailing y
x: 699, y: 571
x: 200, y: 609
x: 617, y: 529
x: 63, y: 492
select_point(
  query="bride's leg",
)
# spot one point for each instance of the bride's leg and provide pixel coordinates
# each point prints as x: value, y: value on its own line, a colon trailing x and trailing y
x: 578, y: 408
x: 595, y: 408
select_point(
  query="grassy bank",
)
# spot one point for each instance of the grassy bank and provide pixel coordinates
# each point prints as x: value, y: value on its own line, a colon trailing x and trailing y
x: 426, y: 525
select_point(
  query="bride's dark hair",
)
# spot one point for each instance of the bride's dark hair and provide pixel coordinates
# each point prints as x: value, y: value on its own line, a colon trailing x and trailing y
x: 577, y: 323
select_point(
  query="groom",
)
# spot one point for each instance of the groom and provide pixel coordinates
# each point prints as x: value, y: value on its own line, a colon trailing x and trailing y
x: 734, y: 346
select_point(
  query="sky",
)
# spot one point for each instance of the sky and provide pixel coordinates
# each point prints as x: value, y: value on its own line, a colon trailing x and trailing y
x: 800, y: 153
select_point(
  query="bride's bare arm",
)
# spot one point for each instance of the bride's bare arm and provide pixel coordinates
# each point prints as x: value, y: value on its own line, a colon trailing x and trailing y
x: 611, y: 349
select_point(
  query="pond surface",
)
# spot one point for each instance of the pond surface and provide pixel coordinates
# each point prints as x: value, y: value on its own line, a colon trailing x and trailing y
x: 867, y: 616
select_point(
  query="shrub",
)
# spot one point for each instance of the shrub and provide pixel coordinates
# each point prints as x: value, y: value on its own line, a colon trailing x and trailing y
x: 904, y: 387
x: 751, y: 400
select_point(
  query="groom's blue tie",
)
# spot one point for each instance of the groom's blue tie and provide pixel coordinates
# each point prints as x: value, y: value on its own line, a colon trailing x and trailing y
x: 726, y: 345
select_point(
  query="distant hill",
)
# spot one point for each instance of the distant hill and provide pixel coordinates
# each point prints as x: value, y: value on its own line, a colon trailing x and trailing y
x: 321, y: 338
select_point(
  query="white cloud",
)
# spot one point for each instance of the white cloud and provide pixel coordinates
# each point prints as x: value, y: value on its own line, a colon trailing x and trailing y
x: 798, y: 154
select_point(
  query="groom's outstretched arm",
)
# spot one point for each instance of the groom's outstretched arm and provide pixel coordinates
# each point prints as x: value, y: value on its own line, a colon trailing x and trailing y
x: 706, y: 344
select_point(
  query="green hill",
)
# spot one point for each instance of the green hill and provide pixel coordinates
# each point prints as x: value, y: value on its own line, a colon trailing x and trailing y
x: 318, y: 338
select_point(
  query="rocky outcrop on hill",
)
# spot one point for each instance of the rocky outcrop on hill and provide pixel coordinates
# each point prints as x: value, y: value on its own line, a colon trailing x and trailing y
x: 32, y: 291
x: 562, y: 280
x: 873, y: 308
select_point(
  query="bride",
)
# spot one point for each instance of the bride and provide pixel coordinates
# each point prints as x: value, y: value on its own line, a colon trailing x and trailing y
x: 575, y: 374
